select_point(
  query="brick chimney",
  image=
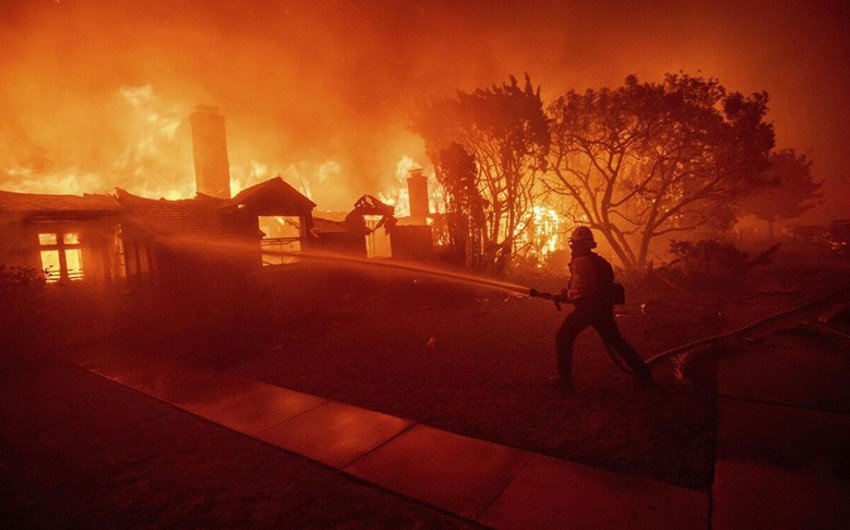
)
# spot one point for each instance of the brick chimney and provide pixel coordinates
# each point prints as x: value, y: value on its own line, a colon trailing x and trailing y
x: 417, y: 192
x: 212, y: 170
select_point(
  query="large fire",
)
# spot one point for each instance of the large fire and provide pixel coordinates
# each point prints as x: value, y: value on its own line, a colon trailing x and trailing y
x: 397, y: 193
x: 154, y: 159
x: 95, y: 94
x: 544, y: 233
x: 541, y: 233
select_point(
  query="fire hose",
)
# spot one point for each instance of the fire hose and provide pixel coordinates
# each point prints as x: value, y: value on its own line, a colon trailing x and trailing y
x: 562, y: 297
x: 557, y: 299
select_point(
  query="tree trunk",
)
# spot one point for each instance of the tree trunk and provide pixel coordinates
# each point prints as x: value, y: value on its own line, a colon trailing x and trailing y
x: 646, y: 239
x: 625, y: 260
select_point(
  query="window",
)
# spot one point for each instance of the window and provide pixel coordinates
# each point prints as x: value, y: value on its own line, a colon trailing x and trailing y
x: 61, y: 256
x: 281, y: 238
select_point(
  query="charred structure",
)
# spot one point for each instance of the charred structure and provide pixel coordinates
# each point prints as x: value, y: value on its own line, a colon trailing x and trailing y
x: 102, y: 239
x: 70, y: 237
x: 176, y: 244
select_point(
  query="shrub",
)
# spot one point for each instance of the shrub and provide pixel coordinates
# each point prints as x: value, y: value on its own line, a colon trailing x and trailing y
x: 21, y: 305
x: 709, y: 263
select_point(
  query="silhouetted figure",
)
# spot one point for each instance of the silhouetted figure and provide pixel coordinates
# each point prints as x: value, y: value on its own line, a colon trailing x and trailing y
x: 591, y: 291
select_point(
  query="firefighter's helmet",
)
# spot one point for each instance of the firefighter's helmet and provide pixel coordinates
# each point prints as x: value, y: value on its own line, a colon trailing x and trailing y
x: 582, y: 235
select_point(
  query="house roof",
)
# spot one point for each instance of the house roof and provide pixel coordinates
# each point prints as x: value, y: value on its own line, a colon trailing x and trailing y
x: 210, y: 216
x: 326, y: 226
x: 48, y: 204
x: 201, y: 216
x: 272, y: 197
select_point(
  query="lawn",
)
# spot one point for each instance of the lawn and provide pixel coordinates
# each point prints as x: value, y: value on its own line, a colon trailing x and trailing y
x: 485, y: 370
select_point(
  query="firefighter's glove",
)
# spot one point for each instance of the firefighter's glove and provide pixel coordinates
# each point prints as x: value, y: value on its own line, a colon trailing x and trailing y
x: 561, y: 298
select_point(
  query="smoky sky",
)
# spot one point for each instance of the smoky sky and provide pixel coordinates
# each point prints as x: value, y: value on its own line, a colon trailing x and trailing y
x: 323, y: 91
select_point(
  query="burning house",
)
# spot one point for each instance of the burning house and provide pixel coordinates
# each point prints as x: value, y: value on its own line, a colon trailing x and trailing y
x: 412, y: 238
x: 69, y: 237
x: 371, y: 229
x: 175, y: 243
x: 106, y: 238
x: 126, y: 238
x: 103, y: 239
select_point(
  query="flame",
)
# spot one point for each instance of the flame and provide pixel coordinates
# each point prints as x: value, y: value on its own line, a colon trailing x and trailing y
x: 149, y: 128
x: 155, y: 150
x: 72, y: 182
x: 164, y: 118
x: 544, y: 235
x: 153, y: 158
x: 397, y: 193
x: 245, y: 177
x: 149, y: 153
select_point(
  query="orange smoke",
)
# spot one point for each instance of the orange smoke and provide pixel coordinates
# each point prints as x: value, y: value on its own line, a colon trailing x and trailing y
x: 95, y: 94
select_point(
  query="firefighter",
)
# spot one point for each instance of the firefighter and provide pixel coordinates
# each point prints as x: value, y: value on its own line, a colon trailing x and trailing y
x: 589, y: 290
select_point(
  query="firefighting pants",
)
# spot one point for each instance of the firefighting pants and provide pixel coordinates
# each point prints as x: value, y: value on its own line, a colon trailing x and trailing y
x: 602, y: 320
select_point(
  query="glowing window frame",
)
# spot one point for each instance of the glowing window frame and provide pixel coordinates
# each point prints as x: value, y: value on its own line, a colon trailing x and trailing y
x: 61, y: 247
x: 288, y: 244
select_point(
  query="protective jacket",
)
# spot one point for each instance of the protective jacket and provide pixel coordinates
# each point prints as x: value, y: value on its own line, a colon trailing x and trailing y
x: 591, y: 277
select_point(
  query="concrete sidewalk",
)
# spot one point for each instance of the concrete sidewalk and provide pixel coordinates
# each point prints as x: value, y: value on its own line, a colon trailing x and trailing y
x: 782, y: 435
x: 781, y: 459
x: 490, y: 483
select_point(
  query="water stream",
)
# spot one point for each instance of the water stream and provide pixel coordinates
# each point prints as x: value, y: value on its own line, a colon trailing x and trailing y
x: 391, y: 265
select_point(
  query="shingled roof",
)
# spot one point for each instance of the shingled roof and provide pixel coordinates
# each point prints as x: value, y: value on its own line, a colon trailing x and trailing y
x: 327, y: 226
x: 201, y: 216
x: 42, y: 203
x: 210, y: 216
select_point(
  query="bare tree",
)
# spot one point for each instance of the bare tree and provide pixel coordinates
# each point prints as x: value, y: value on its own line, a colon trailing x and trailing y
x: 648, y: 159
x: 505, y: 129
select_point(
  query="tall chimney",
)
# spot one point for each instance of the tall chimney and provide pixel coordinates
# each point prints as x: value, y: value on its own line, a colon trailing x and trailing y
x: 212, y: 170
x: 417, y: 192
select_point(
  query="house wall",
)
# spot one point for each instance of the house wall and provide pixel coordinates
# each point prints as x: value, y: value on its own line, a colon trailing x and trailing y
x: 139, y: 260
x: 340, y: 242
x: 21, y: 248
x: 412, y: 242
x: 192, y: 271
